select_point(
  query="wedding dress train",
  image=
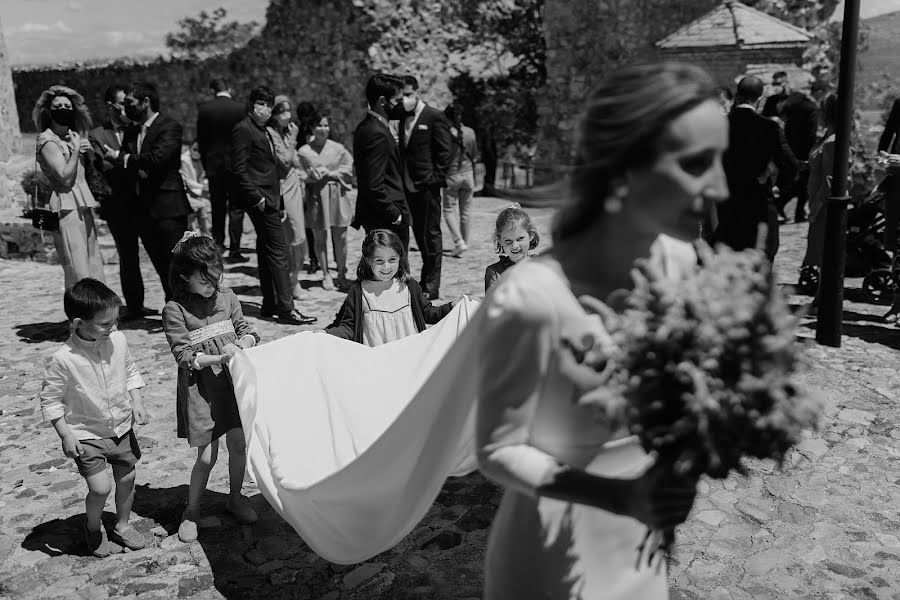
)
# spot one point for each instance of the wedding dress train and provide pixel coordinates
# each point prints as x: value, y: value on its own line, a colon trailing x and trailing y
x: 351, y: 444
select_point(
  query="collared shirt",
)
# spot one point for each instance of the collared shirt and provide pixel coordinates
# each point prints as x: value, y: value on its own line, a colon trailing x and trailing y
x: 225, y: 94
x: 411, y: 122
x: 88, y: 383
x: 144, y: 128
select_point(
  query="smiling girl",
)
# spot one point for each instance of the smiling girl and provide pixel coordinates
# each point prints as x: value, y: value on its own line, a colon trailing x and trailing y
x: 514, y: 237
x: 204, y: 325
x: 384, y: 304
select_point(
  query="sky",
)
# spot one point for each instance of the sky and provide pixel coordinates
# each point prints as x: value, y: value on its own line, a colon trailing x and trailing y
x: 51, y: 31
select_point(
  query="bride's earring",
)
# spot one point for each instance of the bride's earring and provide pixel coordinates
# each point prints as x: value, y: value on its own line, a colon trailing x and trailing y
x: 613, y: 203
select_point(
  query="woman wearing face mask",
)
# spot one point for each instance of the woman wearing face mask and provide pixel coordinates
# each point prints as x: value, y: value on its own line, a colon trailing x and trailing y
x: 284, y: 138
x: 62, y: 151
x: 329, y: 170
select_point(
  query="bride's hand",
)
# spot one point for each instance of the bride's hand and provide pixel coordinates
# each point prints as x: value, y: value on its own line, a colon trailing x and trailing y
x: 660, y: 498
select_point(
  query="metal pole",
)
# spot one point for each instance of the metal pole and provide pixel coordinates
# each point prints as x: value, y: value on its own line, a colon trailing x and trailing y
x: 831, y: 285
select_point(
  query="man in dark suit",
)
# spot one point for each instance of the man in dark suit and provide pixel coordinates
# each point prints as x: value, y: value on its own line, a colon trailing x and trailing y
x: 215, y: 120
x: 801, y: 129
x: 754, y: 143
x: 118, y: 200
x: 151, y: 158
x: 890, y: 142
x: 255, y: 166
x: 425, y: 146
x: 381, y: 203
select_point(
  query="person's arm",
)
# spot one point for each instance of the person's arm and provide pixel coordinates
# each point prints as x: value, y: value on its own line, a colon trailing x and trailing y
x: 284, y: 149
x: 374, y: 156
x: 441, y: 150
x: 246, y: 335
x: 180, y: 341
x: 517, y: 352
x: 53, y: 389
x: 252, y: 196
x: 62, y: 169
x: 133, y: 384
x: 783, y: 158
x: 490, y: 278
x: 432, y: 313
x: 891, y: 128
x: 166, y: 148
x: 343, y: 172
x: 344, y: 324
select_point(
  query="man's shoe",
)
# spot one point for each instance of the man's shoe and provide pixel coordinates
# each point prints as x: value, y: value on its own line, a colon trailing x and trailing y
x: 129, y: 537
x: 295, y: 317
x: 241, y: 511
x: 96, y: 541
x: 234, y: 258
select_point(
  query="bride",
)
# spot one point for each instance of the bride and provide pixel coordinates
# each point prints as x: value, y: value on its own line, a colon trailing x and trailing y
x: 580, y: 497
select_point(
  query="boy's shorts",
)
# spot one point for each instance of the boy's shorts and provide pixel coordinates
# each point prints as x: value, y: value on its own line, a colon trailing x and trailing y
x: 122, y: 452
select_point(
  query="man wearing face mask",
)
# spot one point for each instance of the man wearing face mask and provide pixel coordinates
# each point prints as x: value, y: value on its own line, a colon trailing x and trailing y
x: 381, y: 203
x: 119, y: 204
x: 426, y: 149
x: 255, y: 166
x: 151, y: 157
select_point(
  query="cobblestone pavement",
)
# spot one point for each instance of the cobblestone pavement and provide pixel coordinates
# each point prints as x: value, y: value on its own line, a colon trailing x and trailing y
x: 826, y: 526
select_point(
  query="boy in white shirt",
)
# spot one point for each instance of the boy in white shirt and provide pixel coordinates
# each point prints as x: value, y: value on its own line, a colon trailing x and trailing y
x: 91, y: 393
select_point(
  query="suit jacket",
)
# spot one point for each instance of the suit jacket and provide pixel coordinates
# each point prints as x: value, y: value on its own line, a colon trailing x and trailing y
x: 155, y: 170
x: 801, y: 124
x: 121, y: 188
x: 754, y: 142
x: 890, y: 137
x: 427, y: 152
x: 215, y: 120
x: 379, y: 176
x: 255, y: 165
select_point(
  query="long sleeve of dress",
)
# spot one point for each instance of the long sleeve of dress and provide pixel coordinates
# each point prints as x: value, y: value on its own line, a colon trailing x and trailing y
x: 178, y: 336
x: 515, y: 354
x: 241, y: 327
x: 344, y: 325
x: 343, y: 171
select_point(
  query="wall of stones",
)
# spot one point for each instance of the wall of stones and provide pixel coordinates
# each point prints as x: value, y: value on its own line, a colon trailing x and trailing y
x: 724, y: 64
x: 587, y: 39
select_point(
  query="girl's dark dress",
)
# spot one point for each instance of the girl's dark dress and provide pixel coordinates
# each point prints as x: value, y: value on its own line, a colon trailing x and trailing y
x: 205, y: 404
x: 493, y: 272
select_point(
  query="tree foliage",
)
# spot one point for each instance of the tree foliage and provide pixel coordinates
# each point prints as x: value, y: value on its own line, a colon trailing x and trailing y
x: 209, y: 34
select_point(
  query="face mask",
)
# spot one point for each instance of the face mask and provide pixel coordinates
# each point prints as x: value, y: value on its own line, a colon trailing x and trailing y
x: 409, y: 103
x: 397, y: 112
x: 134, y: 112
x: 262, y: 112
x: 63, y: 116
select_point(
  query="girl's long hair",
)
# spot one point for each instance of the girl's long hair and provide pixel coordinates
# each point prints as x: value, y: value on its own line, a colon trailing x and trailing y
x: 387, y: 239
x: 41, y: 113
x: 454, y: 115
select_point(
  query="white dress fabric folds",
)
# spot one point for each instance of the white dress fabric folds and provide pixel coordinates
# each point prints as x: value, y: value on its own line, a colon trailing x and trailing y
x: 351, y: 444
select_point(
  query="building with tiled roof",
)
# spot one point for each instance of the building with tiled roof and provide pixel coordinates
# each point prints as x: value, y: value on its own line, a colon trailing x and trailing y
x: 734, y: 39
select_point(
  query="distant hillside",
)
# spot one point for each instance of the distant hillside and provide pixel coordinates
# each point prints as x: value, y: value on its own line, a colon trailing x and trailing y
x: 883, y: 54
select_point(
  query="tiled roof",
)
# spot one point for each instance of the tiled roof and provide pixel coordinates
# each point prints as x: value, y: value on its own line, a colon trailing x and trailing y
x: 735, y: 24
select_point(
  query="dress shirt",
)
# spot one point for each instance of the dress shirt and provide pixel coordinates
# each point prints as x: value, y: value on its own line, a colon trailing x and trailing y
x: 144, y: 128
x: 411, y: 123
x: 88, y: 383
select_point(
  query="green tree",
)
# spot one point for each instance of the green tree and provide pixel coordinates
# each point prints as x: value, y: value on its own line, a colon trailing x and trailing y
x: 209, y: 34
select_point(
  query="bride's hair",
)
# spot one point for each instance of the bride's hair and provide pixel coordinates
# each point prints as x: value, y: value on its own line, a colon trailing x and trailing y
x: 625, y: 117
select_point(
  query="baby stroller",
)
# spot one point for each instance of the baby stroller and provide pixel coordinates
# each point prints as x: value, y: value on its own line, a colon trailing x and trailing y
x: 866, y: 256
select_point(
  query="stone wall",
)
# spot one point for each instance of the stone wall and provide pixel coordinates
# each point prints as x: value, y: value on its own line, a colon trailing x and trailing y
x: 9, y: 118
x: 724, y: 64
x: 587, y: 39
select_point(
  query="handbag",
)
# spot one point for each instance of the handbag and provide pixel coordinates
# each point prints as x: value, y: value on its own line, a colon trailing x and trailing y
x: 41, y: 218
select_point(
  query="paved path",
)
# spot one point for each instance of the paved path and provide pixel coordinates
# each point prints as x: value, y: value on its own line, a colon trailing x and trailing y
x: 826, y: 527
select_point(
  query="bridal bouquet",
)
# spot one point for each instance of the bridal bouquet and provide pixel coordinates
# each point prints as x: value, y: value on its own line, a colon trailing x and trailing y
x: 700, y: 369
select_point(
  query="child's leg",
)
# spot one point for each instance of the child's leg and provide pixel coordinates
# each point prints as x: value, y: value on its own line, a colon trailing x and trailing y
x: 206, y: 459
x: 124, y: 478
x: 237, y: 463
x: 237, y: 460
x: 98, y: 490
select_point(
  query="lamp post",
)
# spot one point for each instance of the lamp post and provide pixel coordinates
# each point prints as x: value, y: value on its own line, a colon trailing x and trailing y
x: 831, y: 284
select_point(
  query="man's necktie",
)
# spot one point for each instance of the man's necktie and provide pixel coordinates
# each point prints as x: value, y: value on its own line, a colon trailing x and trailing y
x: 140, y: 140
